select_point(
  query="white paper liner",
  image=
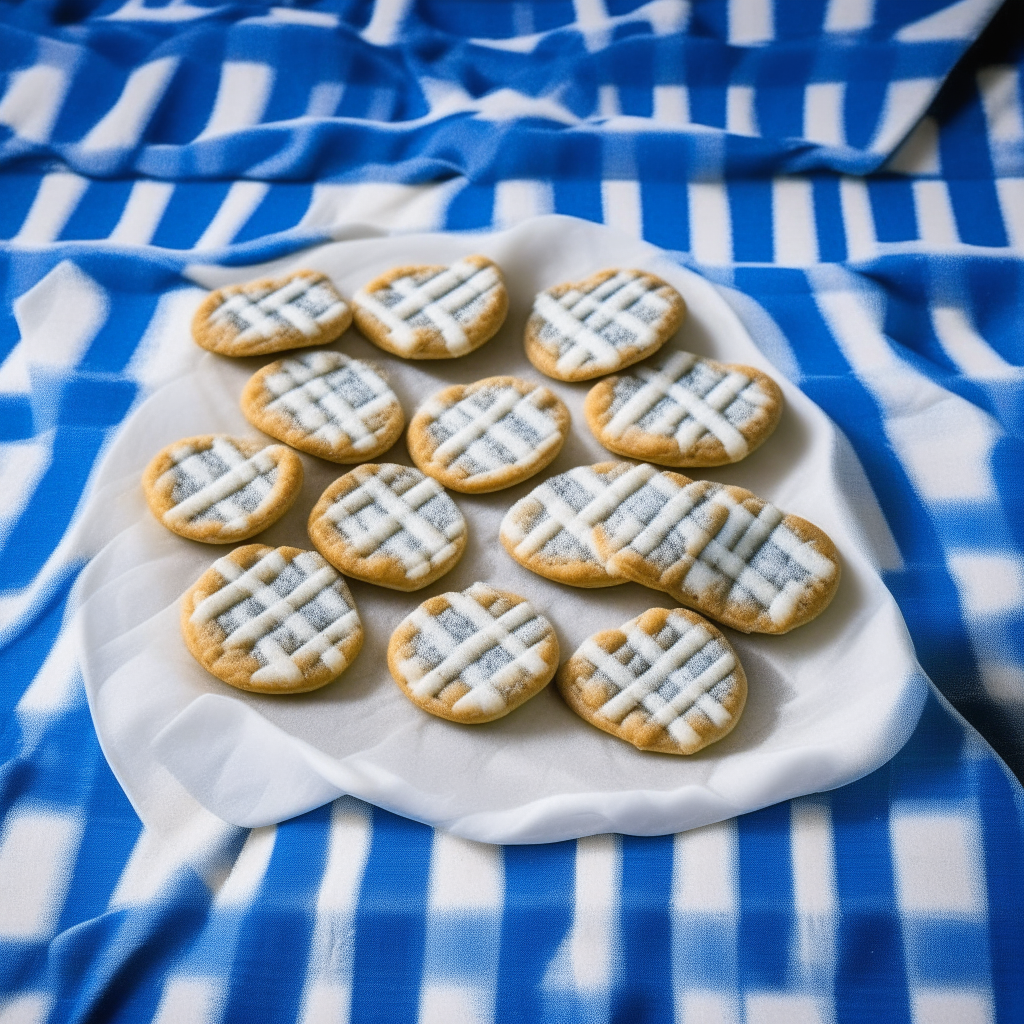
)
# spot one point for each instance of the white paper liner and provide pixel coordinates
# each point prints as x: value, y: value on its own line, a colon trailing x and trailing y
x: 827, y: 703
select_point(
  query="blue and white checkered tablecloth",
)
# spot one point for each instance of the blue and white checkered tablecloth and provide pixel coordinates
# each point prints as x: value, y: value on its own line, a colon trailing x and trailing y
x: 855, y: 168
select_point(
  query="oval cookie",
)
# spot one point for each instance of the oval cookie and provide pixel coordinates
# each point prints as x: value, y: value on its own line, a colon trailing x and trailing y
x: 271, y: 620
x: 271, y: 315
x: 583, y: 329
x: 433, y: 312
x: 220, y: 489
x: 389, y: 525
x: 682, y: 410
x: 326, y: 404
x: 720, y: 550
x: 551, y: 530
x: 481, y: 437
x: 666, y: 681
x: 473, y: 656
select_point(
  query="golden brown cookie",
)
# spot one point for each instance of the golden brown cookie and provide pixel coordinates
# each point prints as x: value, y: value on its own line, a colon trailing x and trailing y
x: 433, y: 312
x: 388, y: 525
x: 271, y: 315
x: 326, y: 404
x: 682, y: 410
x: 583, y: 329
x: 666, y: 681
x: 481, y: 437
x: 551, y: 530
x: 221, y: 489
x: 271, y: 620
x: 473, y: 656
x: 719, y: 549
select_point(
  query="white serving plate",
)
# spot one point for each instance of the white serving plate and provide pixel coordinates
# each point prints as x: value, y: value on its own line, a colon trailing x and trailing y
x: 828, y: 703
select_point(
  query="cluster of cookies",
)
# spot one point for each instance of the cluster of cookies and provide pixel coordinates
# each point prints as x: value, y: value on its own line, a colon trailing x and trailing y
x: 283, y: 620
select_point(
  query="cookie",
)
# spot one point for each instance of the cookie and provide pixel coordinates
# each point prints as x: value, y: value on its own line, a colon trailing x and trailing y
x: 551, y: 530
x: 666, y: 681
x: 682, y: 410
x: 481, y: 437
x: 433, y: 312
x: 271, y: 315
x: 389, y: 525
x: 475, y: 656
x: 271, y: 620
x: 583, y: 329
x: 220, y: 489
x: 326, y: 404
x: 720, y: 550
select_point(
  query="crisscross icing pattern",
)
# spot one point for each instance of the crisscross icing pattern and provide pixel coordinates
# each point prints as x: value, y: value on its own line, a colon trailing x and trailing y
x: 704, y: 541
x: 591, y: 328
x: 332, y: 398
x: 685, y: 398
x: 307, y: 303
x: 397, y: 511
x: 218, y: 484
x: 482, y: 639
x: 288, y: 613
x: 555, y: 521
x: 441, y: 299
x: 492, y: 429
x: 671, y: 679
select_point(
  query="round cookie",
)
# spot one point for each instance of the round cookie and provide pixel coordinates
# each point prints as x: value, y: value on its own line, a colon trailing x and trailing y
x: 482, y: 437
x: 433, y: 312
x: 682, y: 410
x: 667, y: 681
x: 220, y: 489
x: 389, y: 525
x: 327, y: 404
x: 719, y: 549
x: 271, y: 620
x: 584, y: 329
x: 271, y: 315
x: 473, y: 656
x: 551, y: 530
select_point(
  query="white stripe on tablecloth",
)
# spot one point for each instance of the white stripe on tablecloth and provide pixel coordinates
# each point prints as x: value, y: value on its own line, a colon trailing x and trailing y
x: 327, y: 991
x: 901, y: 97
x: 37, y: 855
x: 238, y: 206
x: 621, y: 206
x: 241, y: 885
x: 242, y: 95
x: 126, y: 120
x: 849, y: 15
x: 671, y: 104
x: 999, y: 87
x: 710, y: 222
x: 936, y: 223
x: 823, y: 113
x: 141, y: 215
x: 197, y: 1000
x: 858, y: 220
x: 971, y: 353
x: 33, y: 100
x: 740, y: 116
x: 58, y: 195
x: 793, y: 223
x: 518, y: 200
x: 751, y: 22
x: 1011, y: 201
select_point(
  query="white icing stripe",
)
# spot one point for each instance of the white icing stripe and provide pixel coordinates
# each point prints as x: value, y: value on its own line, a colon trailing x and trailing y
x: 696, y: 693
x: 490, y: 633
x: 691, y: 415
x: 436, y: 299
x: 320, y: 408
x: 718, y: 550
x: 677, y: 655
x: 579, y: 318
x: 267, y: 311
x: 318, y: 585
x: 480, y: 423
x: 243, y: 472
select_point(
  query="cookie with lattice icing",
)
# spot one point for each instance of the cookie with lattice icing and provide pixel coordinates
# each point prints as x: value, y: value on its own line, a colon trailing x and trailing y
x: 551, y: 530
x: 389, y: 525
x: 473, y: 656
x: 433, y: 312
x: 667, y: 681
x: 481, y: 437
x: 720, y: 550
x: 220, y: 489
x: 326, y: 404
x: 271, y: 315
x: 683, y: 410
x: 272, y: 620
x: 584, y: 329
